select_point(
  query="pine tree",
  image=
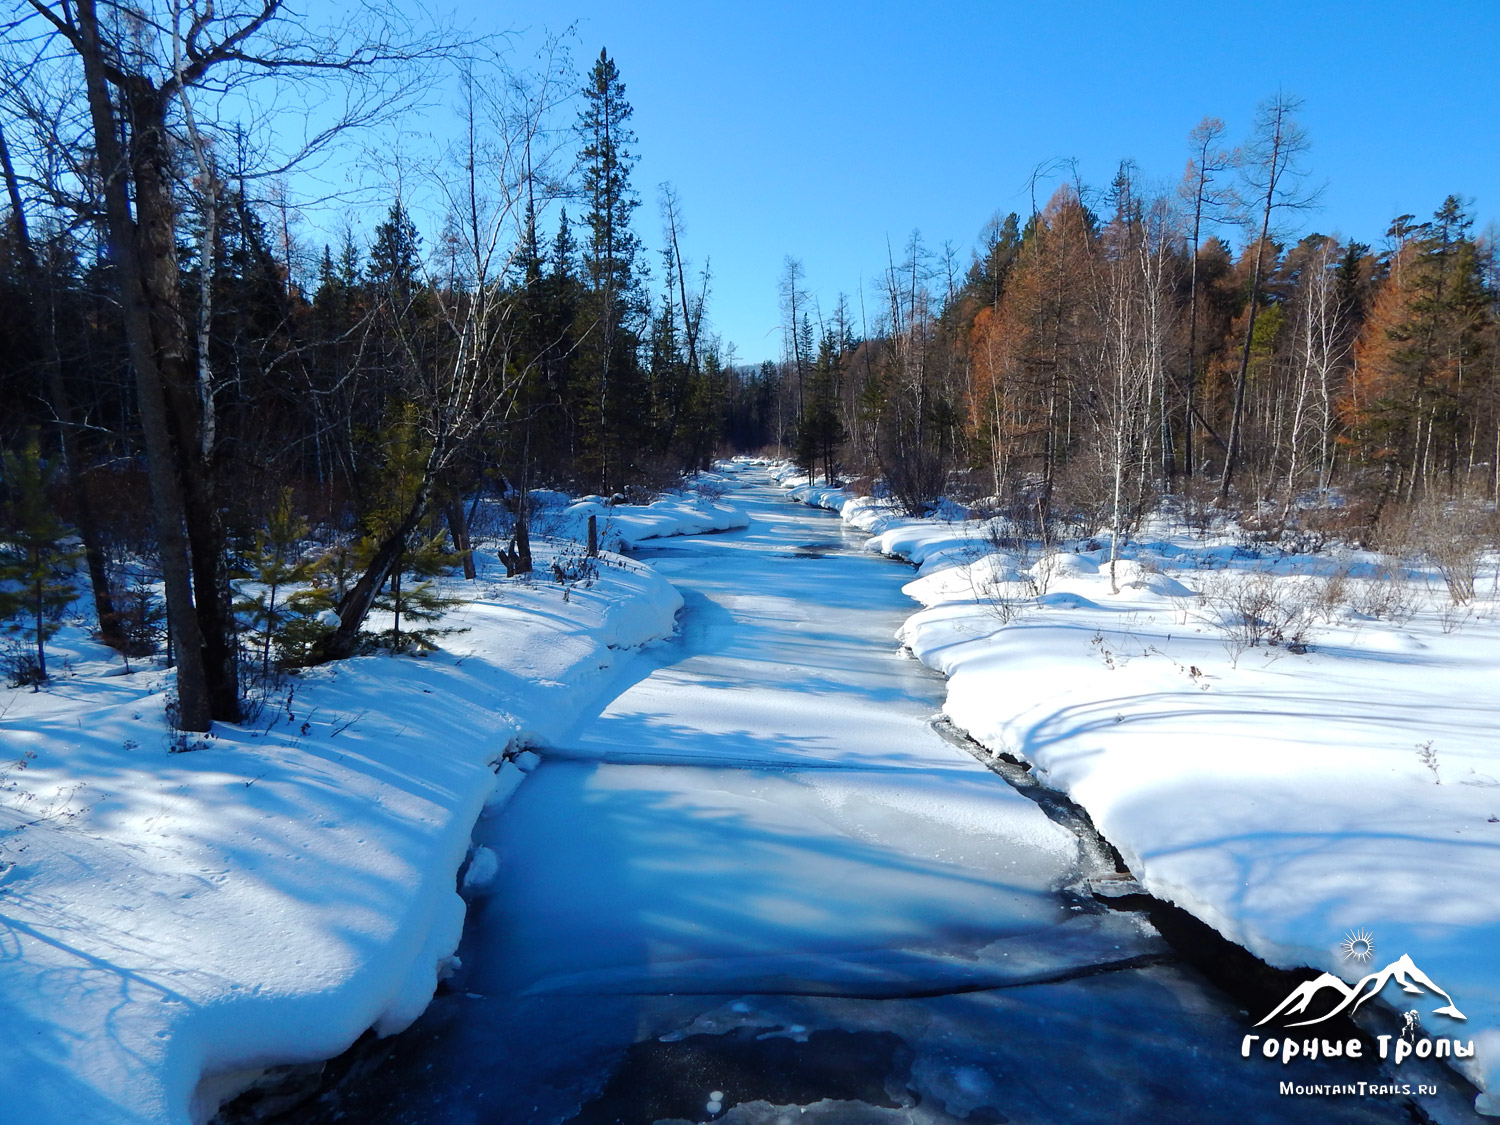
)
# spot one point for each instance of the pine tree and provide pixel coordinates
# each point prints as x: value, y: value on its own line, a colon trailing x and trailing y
x: 609, y: 254
x: 395, y: 256
x: 820, y: 430
x: 1416, y: 360
x: 37, y: 561
x: 419, y: 602
x: 611, y: 405
x: 140, y: 619
x: 292, y: 624
x: 405, y: 456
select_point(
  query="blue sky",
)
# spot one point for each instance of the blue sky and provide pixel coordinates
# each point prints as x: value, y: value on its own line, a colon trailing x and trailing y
x: 820, y: 129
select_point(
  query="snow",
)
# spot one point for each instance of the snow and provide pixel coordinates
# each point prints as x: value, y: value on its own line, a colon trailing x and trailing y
x: 1286, y: 797
x: 761, y: 803
x: 765, y: 804
x: 623, y: 526
x: 290, y: 882
x: 481, y: 871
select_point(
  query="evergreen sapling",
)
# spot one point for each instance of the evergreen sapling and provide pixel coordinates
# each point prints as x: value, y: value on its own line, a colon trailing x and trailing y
x: 38, y: 558
x: 289, y: 615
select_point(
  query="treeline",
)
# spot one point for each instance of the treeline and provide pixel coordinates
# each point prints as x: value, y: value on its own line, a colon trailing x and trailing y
x: 201, y: 406
x: 1113, y: 348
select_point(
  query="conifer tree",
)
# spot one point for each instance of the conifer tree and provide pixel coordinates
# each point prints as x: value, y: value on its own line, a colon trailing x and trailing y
x: 612, y: 404
x: 1416, y: 361
x: 140, y: 619
x: 820, y: 430
x: 37, y: 562
x: 413, y: 606
x: 399, y: 479
x: 285, y: 619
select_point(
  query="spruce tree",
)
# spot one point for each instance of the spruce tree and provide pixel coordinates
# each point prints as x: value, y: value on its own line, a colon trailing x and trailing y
x: 820, y: 431
x: 611, y: 404
x: 415, y: 605
x: 609, y: 253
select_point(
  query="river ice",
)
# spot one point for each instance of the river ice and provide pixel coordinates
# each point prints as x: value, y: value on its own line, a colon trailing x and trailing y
x: 759, y: 885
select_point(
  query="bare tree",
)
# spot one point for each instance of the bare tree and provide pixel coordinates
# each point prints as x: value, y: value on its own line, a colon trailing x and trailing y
x: 911, y: 450
x: 1274, y: 179
x: 491, y: 188
x: 794, y: 301
x: 1133, y: 296
x: 1208, y: 199
x: 692, y: 309
x: 1322, y: 348
x: 144, y: 70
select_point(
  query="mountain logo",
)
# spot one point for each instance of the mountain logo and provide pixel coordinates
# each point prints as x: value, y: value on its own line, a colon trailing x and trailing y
x: 1348, y: 997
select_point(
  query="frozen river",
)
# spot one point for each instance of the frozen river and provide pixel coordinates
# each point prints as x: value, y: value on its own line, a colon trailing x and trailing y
x: 758, y: 885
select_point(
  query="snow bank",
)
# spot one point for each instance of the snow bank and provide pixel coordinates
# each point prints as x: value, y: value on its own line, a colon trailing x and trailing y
x: 1286, y: 797
x: 623, y: 526
x: 267, y: 897
x: 929, y: 543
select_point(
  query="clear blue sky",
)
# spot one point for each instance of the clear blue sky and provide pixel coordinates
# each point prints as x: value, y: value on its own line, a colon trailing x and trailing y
x: 820, y: 129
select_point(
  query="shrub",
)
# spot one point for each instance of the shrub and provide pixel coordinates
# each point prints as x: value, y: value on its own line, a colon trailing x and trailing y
x: 1257, y: 610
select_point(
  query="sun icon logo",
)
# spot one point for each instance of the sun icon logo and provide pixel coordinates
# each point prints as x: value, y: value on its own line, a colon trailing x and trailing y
x: 1358, y: 945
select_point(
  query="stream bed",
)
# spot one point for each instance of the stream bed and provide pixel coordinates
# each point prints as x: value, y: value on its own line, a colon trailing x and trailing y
x: 762, y: 884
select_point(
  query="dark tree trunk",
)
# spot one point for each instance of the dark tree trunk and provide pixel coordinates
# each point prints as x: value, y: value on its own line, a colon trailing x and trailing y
x: 458, y: 528
x: 186, y: 408
x: 195, y: 709
x: 357, y: 603
x: 1237, y: 410
x: 517, y: 555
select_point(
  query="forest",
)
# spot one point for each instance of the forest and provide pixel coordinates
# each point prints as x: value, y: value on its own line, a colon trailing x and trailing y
x: 1113, y: 352
x: 244, y: 442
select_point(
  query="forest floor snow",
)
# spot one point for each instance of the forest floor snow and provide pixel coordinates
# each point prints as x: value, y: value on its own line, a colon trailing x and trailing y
x: 171, y: 923
x: 1343, y: 781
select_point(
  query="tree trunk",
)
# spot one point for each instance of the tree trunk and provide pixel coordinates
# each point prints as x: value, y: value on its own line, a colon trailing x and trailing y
x: 396, y: 569
x: 193, y: 701
x: 1236, y: 417
x: 1188, y: 466
x: 357, y: 603
x: 458, y: 528
x: 189, y: 405
x: 522, y: 535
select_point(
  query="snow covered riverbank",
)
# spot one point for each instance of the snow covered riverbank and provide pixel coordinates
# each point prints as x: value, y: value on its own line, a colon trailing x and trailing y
x: 289, y: 883
x: 759, y: 884
x: 623, y: 526
x: 1346, y: 779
